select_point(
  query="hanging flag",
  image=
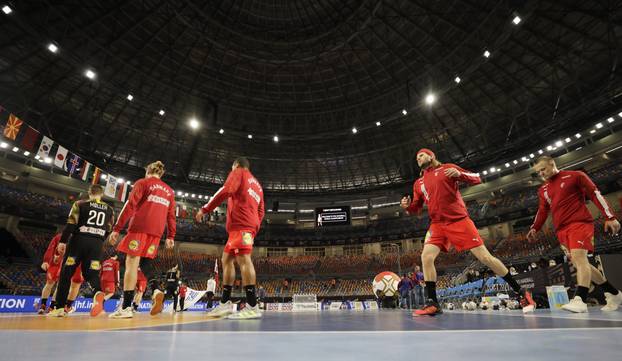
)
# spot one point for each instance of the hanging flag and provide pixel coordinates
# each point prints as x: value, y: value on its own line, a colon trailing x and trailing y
x: 122, y: 191
x: 61, y: 157
x: 73, y: 163
x: 30, y: 139
x: 86, y: 171
x: 45, y: 147
x: 12, y: 127
x: 111, y: 186
x: 96, y: 176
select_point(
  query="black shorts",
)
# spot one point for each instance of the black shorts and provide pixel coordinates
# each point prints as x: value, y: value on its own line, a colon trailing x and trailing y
x: 210, y: 294
x: 171, y: 289
x: 85, y: 250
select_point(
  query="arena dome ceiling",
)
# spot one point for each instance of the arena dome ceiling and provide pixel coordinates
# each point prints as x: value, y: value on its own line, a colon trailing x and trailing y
x: 330, y: 78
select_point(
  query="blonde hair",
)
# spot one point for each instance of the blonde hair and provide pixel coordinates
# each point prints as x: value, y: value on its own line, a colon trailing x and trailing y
x: 156, y: 168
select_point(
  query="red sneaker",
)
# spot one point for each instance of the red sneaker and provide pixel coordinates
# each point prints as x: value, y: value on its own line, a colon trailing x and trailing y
x: 431, y: 309
x: 98, y: 304
x: 527, y: 302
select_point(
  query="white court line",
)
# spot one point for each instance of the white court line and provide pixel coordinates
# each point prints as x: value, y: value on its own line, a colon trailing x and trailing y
x: 569, y: 316
x: 508, y: 330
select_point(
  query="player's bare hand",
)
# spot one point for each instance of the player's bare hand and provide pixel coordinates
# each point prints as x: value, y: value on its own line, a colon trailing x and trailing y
x: 61, y: 248
x: 452, y: 172
x: 405, y: 202
x: 612, y: 227
x: 113, y: 238
x: 44, y: 266
x: 532, y: 235
x: 199, y: 216
x: 170, y: 243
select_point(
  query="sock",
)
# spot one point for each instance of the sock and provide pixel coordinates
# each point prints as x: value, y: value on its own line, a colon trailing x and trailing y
x: 226, y: 293
x: 69, y: 303
x: 135, y: 306
x: 582, y: 292
x: 512, y: 282
x: 44, y: 302
x: 606, y: 287
x: 430, y: 289
x: 251, y: 298
x: 53, y: 304
x: 128, y: 296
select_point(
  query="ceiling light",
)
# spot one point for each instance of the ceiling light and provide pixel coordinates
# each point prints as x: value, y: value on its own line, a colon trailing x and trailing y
x: 221, y: 131
x: 592, y: 131
x: 610, y: 120
x: 130, y: 97
x: 404, y: 111
x: 515, y: 161
x: 104, y: 176
x: 430, y: 99
x: 179, y: 193
x: 15, y: 149
x: 457, y: 80
x: 200, y: 196
x: 567, y: 140
x: 578, y: 135
x: 120, y: 180
x: 48, y: 160
x: 486, y: 54
x: 161, y: 112
x: 485, y: 172
x: 194, y: 196
x: 53, y: 48
x: 620, y: 114
x: 37, y: 157
x: 186, y: 195
x: 559, y: 143
x: 26, y: 153
x: 507, y: 165
x: 599, y: 125
x: 378, y: 124
x: 250, y: 136
x: 531, y: 155
x: 354, y: 130
x: 276, y: 138
x: 540, y: 151
x: 7, y: 9
x: 492, y: 170
x: 516, y: 20
x: 3, y: 145
x: 128, y: 183
x: 194, y: 123
x: 524, y: 159
x: 90, y: 74
x: 549, y: 147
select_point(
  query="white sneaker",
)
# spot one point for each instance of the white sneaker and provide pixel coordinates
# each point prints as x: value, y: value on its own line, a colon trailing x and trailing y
x: 122, y: 313
x: 57, y: 312
x: 575, y: 305
x: 248, y: 313
x: 613, y: 301
x: 222, y: 310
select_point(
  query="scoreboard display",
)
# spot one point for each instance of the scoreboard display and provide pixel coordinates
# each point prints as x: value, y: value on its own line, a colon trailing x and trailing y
x: 332, y: 216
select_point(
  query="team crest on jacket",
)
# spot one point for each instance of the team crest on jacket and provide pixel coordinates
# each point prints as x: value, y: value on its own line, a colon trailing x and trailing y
x: 95, y: 265
x: 70, y: 261
x: 133, y: 244
x: 247, y: 238
x: 151, y: 249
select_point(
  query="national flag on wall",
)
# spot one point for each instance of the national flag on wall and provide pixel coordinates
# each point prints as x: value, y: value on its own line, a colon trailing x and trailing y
x: 122, y: 189
x: 12, y: 127
x: 96, y: 176
x: 111, y: 186
x: 30, y: 139
x: 45, y: 147
x: 73, y: 163
x: 86, y: 172
x: 61, y: 157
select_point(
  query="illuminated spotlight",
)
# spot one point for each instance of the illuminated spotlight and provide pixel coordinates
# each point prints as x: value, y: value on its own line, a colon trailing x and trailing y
x: 221, y: 131
x: 599, y: 125
x: 354, y: 130
x: 430, y: 99
x: 507, y: 165
x: 186, y: 195
x: 53, y: 48
x: 194, y: 123
x: 549, y: 147
x: 457, y: 80
x: 620, y: 114
x: 194, y: 196
x: 524, y: 159
x: 531, y: 155
x: 567, y: 140
x: 128, y: 183
x: 517, y: 20
x: 404, y: 111
x: 15, y: 149
x: 120, y: 180
x: 3, y: 145
x: 276, y: 138
x: 515, y: 161
x: 610, y: 120
x: 578, y: 135
x: 48, y: 160
x: 104, y: 176
x: 179, y: 193
x: 485, y: 172
x: 540, y: 151
x: 26, y: 153
x: 559, y: 143
x: 7, y: 9
x: 493, y: 169
x: 130, y: 97
x: 161, y: 112
x: 378, y: 124
x: 486, y: 54
x: 37, y: 157
x: 592, y: 131
x: 90, y: 74
x: 250, y: 136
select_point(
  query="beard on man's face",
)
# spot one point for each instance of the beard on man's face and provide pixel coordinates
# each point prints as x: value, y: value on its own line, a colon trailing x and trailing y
x: 425, y: 164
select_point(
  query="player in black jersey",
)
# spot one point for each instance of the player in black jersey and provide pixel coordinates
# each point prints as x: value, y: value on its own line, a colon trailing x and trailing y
x: 172, y: 285
x: 87, y: 227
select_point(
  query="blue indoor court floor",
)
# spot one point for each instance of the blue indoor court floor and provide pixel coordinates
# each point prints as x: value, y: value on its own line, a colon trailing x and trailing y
x: 328, y: 335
